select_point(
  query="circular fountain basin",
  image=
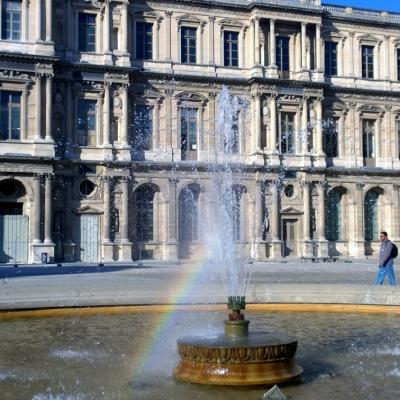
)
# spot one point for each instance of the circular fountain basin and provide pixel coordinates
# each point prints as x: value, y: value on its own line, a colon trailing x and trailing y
x: 257, y: 359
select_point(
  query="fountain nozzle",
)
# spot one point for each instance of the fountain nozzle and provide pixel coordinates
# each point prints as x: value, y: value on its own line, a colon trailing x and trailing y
x: 236, y: 325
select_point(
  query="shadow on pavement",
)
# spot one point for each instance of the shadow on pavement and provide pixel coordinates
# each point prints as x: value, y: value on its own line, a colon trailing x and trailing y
x: 23, y: 271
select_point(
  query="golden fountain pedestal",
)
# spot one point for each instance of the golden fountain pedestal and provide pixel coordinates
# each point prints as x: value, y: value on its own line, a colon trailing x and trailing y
x: 237, y: 357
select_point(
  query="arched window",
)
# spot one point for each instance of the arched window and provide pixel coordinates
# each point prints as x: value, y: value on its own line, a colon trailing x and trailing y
x: 189, y: 213
x: 371, y: 215
x: 144, y: 213
x: 334, y: 215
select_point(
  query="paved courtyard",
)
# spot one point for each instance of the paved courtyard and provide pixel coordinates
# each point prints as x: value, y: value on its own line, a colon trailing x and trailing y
x: 166, y: 283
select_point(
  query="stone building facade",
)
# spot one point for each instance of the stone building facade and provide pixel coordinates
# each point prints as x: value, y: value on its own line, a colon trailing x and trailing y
x: 108, y: 123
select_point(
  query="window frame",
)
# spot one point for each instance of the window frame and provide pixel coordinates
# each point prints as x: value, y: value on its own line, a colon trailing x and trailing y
x: 184, y: 27
x: 96, y: 32
x: 10, y: 117
x: 225, y: 43
x: 188, y: 151
x: 12, y: 13
x: 369, y: 146
x: 292, y: 138
x: 150, y: 108
x: 96, y: 119
x: 331, y: 63
x: 367, y: 67
x: 144, y: 22
x: 279, y: 53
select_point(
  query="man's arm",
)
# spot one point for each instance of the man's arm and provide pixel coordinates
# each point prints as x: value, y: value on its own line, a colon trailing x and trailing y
x: 387, y: 252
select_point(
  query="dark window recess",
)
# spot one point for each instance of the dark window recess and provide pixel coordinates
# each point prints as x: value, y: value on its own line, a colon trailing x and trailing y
x: 87, y: 187
x: 87, y: 32
x: 188, y: 45
x: 11, y: 208
x: 231, y: 49
x: 367, y: 54
x: 331, y: 58
x: 282, y: 53
x: 144, y: 41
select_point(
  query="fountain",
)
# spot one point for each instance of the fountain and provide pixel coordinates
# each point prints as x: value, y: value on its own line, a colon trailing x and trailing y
x: 236, y: 357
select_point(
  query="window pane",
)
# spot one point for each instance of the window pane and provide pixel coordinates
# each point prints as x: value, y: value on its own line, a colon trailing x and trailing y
x: 286, y: 142
x: 144, y: 41
x: 87, y: 32
x: 188, y: 131
x: 10, y: 115
x: 231, y: 45
x: 188, y: 45
x: 282, y: 53
x: 11, y: 20
x: 86, y: 124
x: 143, y: 127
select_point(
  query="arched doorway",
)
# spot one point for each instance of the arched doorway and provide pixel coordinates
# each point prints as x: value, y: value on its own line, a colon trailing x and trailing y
x: 188, y: 219
x: 144, y: 206
x: 14, y: 227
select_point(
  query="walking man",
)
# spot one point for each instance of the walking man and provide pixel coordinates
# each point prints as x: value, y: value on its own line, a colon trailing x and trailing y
x: 385, y: 260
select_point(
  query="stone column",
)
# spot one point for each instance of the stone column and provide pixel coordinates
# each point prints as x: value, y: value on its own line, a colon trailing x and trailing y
x: 318, y: 129
x: 69, y: 117
x: 273, y: 138
x: 258, y: 212
x: 387, y: 58
x: 358, y: 236
x: 378, y: 138
x: 106, y: 27
x: 38, y: 114
x: 318, y: 47
x: 37, y: 206
x: 124, y: 26
x: 303, y: 45
x: 272, y: 44
x: 307, y: 214
x: 39, y: 21
x: 106, y: 205
x: 211, y: 50
x: 69, y: 222
x: 49, y: 20
x: 106, y: 115
x: 276, y: 244
x: 211, y: 139
x: 304, y: 126
x: 168, y: 15
x: 25, y: 25
x: 49, y: 108
x: 126, y: 245
x: 321, y: 210
x: 257, y: 122
x: 172, y: 243
x: 156, y: 45
x: 351, y: 54
x: 125, y: 116
x: 48, y: 209
x: 256, y: 21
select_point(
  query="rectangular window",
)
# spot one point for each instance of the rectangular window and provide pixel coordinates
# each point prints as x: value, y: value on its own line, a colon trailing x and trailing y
x: 143, y: 127
x: 368, y: 138
x: 331, y: 137
x: 11, y: 20
x: 398, y: 64
x: 87, y: 32
x: 188, y: 45
x: 188, y: 133
x: 144, y: 41
x: 232, y: 138
x: 282, y: 53
x: 10, y: 115
x: 286, y: 134
x: 231, y: 49
x: 331, y: 58
x: 367, y: 53
x: 86, y: 127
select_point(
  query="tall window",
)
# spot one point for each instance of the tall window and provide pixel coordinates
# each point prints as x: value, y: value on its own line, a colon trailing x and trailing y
x: 188, y: 45
x: 144, y: 213
x: 87, y: 32
x: 286, y: 133
x: 371, y: 215
x: 11, y: 20
x: 331, y: 58
x: 231, y: 49
x: 143, y: 123
x: 398, y: 137
x: 86, y: 131
x: 398, y: 64
x: 232, y: 137
x: 368, y: 138
x: 334, y: 215
x: 367, y: 53
x: 282, y: 53
x: 331, y: 137
x: 189, y: 214
x: 10, y: 115
x: 144, y: 40
x: 234, y: 202
x: 188, y: 133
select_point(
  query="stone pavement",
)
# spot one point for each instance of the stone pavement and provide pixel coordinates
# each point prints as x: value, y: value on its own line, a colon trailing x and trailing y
x: 151, y: 282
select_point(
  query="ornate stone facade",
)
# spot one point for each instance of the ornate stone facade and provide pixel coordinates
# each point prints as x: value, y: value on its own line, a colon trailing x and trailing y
x: 78, y: 182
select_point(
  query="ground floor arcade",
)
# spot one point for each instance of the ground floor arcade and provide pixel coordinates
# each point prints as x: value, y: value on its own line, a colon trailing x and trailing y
x: 101, y: 214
